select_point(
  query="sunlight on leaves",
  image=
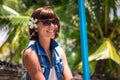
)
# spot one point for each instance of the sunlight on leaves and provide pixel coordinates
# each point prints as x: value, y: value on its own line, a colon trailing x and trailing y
x: 105, y: 51
x: 10, y: 10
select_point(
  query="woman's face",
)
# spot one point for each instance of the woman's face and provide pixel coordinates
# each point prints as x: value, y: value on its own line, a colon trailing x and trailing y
x: 47, y: 28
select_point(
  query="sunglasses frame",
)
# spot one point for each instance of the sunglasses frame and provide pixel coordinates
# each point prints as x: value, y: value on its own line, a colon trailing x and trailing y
x: 47, y: 22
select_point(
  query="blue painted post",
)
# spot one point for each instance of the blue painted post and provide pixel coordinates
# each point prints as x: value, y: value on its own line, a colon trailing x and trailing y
x: 84, y: 42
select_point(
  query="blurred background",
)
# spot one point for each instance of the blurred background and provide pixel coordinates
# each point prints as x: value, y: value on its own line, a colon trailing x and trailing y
x: 103, y: 29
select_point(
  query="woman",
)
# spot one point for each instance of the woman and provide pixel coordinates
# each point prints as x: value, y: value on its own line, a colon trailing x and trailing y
x: 44, y: 59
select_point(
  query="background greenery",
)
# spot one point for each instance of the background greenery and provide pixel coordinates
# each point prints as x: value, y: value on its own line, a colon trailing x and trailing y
x: 103, y: 28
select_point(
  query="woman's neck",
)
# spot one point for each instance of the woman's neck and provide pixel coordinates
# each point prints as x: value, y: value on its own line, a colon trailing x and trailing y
x: 45, y: 43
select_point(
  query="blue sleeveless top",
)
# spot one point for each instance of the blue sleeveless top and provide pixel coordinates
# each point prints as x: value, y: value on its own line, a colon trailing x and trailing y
x: 44, y: 60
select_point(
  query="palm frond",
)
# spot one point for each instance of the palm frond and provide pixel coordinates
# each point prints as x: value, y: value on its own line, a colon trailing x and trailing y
x: 10, y: 10
x: 5, y: 10
x: 3, y: 34
x: 15, y: 20
x: 105, y: 51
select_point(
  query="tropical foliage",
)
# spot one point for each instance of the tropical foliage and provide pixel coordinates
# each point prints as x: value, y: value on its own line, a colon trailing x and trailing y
x: 16, y: 30
x: 104, y: 36
x: 103, y: 28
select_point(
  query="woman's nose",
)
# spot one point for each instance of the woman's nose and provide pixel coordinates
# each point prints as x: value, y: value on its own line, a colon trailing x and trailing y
x: 52, y: 25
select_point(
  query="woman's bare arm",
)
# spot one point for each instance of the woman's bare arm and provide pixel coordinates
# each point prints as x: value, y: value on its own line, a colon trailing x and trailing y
x: 67, y: 74
x: 32, y: 65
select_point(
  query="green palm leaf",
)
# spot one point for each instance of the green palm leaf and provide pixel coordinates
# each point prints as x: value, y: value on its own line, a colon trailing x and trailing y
x: 17, y: 35
x: 15, y: 20
x: 5, y: 10
x: 105, y: 51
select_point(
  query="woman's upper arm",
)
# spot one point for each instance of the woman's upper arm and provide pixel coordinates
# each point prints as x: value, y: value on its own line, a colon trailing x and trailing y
x: 67, y: 74
x: 32, y: 65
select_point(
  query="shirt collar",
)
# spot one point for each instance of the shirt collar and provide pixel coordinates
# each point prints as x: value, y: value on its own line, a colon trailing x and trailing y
x: 41, y: 51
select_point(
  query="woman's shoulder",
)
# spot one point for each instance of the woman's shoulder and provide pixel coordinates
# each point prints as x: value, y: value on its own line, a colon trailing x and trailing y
x: 29, y: 56
x: 28, y: 52
x: 60, y: 50
x: 30, y: 48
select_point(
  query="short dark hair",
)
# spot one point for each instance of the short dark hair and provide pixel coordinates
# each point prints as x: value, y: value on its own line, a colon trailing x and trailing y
x: 43, y: 13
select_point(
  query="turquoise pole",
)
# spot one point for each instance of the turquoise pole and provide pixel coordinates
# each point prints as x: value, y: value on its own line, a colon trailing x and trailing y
x: 83, y: 39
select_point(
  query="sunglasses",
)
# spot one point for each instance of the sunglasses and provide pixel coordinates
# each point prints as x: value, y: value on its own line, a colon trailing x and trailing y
x: 47, y: 22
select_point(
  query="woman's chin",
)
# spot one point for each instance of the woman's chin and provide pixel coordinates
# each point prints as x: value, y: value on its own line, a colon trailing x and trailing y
x: 52, y: 37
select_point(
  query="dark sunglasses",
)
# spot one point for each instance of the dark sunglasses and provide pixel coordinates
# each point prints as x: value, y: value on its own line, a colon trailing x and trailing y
x: 47, y: 22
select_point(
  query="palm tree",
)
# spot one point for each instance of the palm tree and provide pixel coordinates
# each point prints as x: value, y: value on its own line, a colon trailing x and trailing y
x: 103, y: 31
x: 14, y: 38
x: 16, y: 29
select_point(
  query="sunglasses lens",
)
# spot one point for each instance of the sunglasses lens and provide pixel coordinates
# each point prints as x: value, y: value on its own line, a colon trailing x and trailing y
x: 48, y: 22
x: 55, y: 21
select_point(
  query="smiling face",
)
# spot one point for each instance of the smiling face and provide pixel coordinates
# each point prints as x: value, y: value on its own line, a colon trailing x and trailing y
x: 48, y: 24
x: 47, y: 31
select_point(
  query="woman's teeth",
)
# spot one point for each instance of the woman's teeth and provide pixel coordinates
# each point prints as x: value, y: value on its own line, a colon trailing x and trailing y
x: 50, y: 31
